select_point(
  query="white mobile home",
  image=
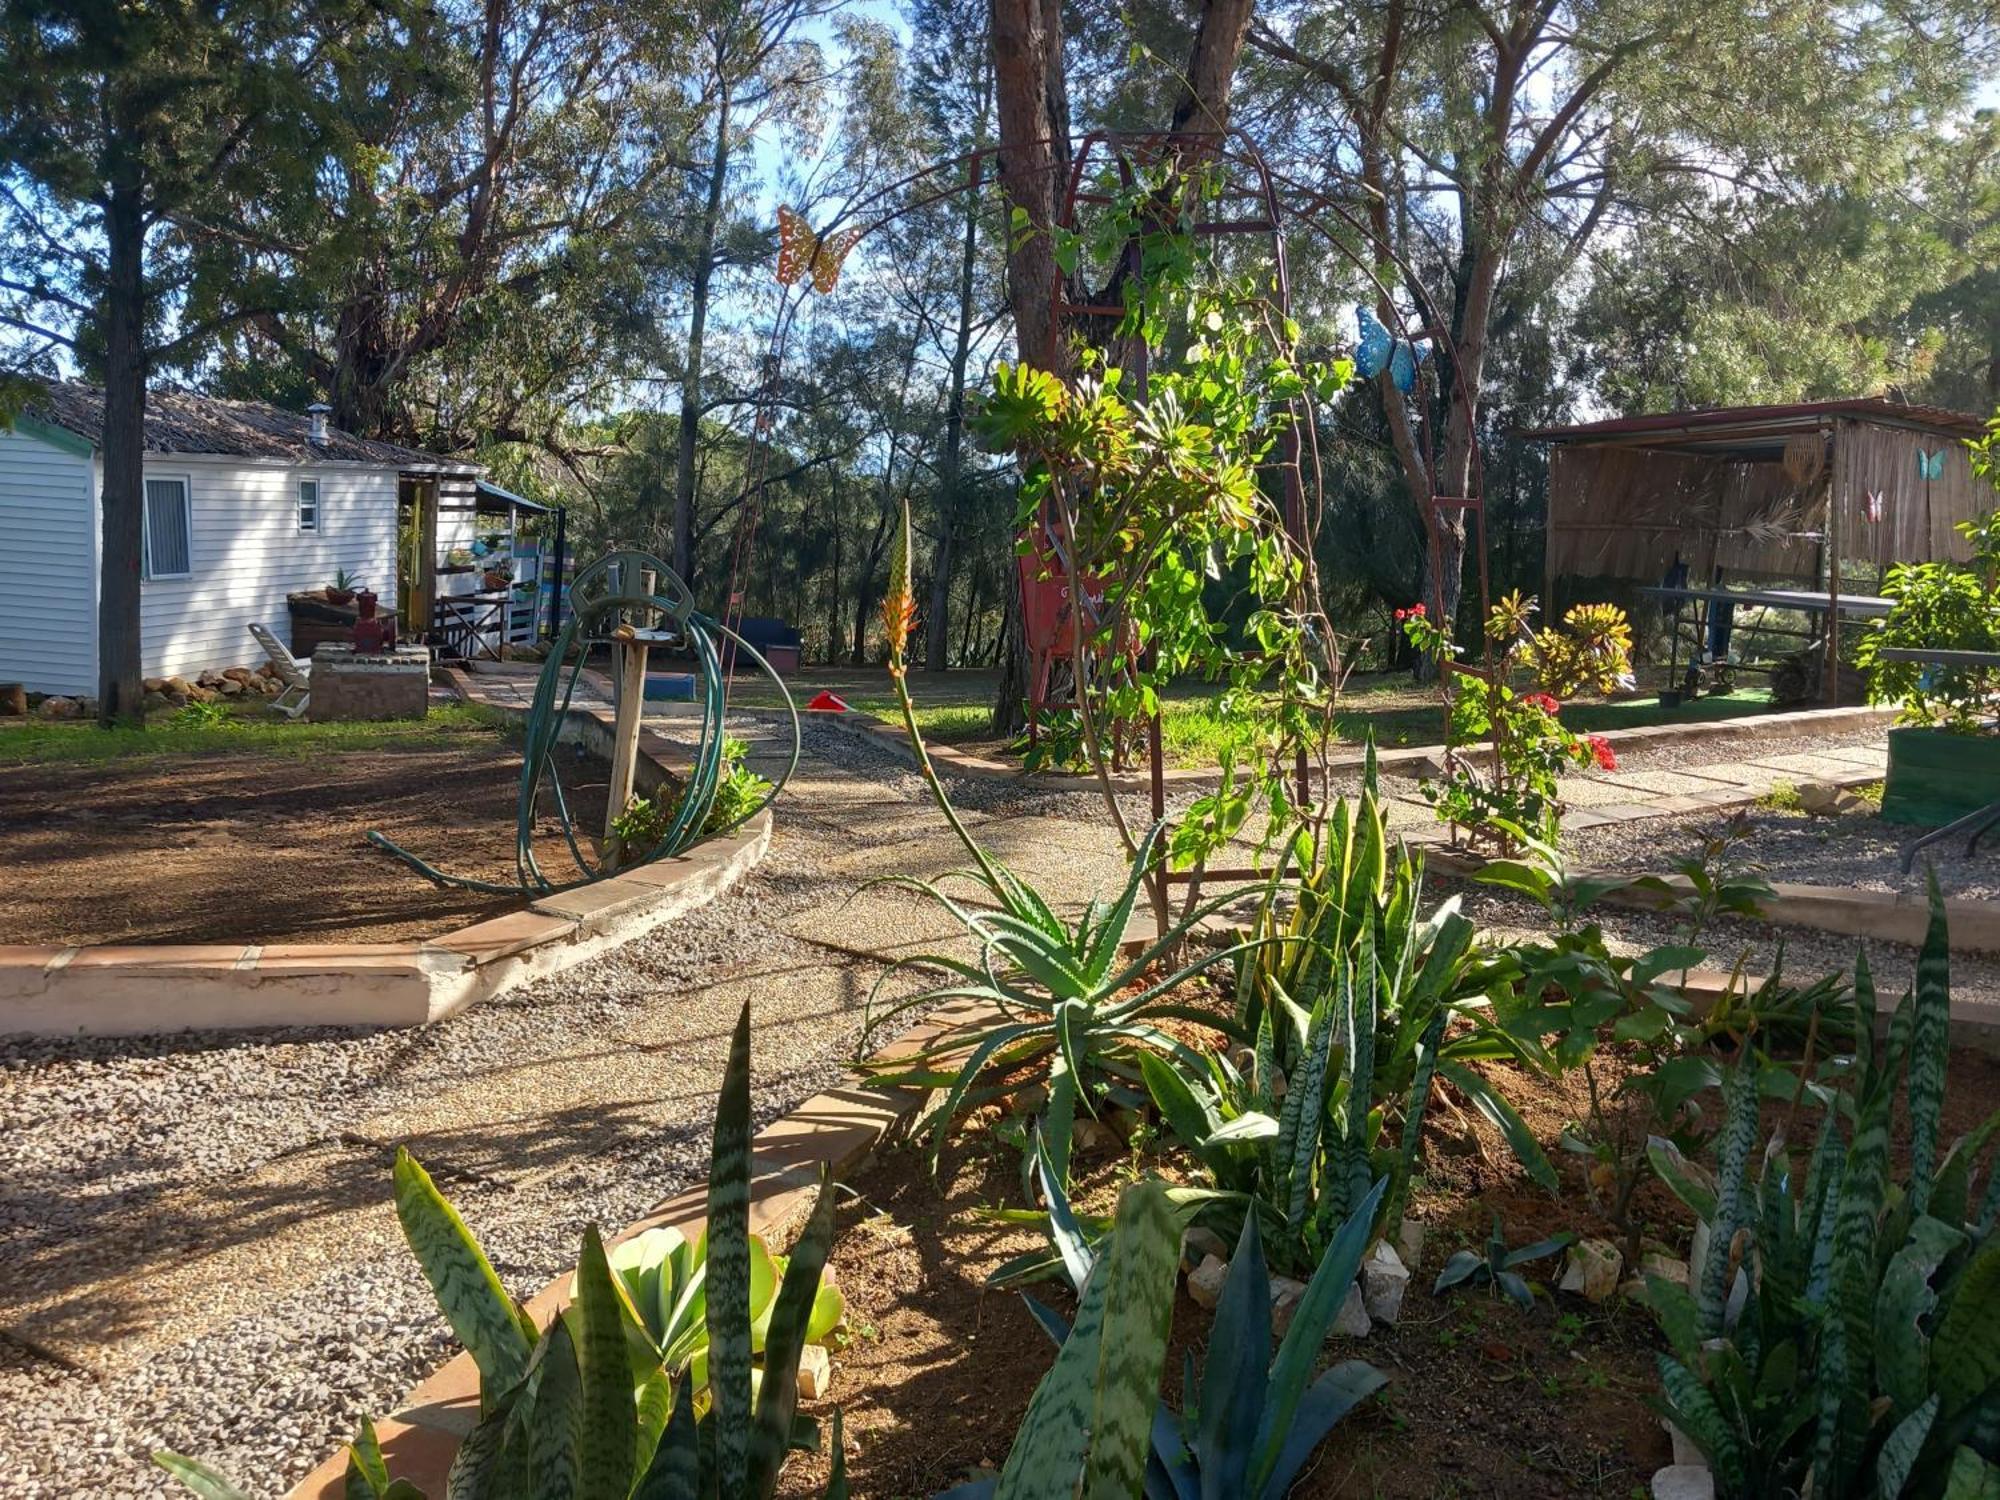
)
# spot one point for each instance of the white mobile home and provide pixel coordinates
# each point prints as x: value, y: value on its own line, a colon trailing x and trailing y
x: 245, y: 504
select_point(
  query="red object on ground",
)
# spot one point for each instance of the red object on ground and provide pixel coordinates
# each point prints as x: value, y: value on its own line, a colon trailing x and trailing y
x: 825, y: 703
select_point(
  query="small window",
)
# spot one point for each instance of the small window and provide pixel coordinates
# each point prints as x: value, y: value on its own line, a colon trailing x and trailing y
x: 309, y: 505
x: 169, y: 544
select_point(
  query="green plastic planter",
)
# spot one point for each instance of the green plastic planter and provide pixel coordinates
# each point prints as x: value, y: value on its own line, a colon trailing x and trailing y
x: 1936, y: 776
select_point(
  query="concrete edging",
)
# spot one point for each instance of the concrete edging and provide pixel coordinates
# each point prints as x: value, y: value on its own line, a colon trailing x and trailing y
x: 124, y: 990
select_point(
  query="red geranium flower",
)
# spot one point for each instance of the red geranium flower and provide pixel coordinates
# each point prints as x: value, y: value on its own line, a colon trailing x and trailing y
x: 1416, y: 609
x: 1402, y: 614
x: 1600, y: 747
x: 1547, y: 704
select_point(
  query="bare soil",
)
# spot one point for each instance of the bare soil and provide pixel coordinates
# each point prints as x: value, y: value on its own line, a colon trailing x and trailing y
x: 1483, y: 1398
x: 256, y: 848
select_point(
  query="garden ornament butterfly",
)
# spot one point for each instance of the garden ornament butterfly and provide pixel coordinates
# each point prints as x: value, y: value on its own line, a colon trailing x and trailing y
x: 1930, y: 465
x: 803, y: 253
x: 1873, y: 507
x: 1379, y: 350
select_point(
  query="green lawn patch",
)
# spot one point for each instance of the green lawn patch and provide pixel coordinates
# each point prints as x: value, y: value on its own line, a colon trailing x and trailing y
x: 248, y: 730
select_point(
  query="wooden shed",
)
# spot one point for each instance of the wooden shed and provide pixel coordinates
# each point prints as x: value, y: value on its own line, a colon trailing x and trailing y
x: 1800, y: 493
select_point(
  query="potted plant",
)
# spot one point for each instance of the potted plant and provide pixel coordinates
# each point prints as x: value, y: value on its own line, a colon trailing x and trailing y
x: 341, y: 590
x: 499, y: 574
x: 1944, y: 754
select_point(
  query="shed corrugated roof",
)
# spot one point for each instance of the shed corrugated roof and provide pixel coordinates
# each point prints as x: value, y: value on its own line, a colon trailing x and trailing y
x: 1721, y: 422
x: 182, y: 422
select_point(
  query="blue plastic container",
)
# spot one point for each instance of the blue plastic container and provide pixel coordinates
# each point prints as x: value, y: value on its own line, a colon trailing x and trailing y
x: 672, y: 687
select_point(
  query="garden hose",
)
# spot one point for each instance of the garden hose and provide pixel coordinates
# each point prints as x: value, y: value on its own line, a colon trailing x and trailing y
x: 614, y: 591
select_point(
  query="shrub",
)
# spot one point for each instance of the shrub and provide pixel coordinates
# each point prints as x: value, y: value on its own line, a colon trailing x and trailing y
x: 1941, y: 605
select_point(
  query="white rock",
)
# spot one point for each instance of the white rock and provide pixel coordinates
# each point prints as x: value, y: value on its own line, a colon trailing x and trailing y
x: 815, y: 1372
x: 1410, y: 1243
x: 1686, y: 1455
x: 1204, y: 1282
x: 1353, y: 1321
x: 1286, y: 1295
x: 1591, y: 1271
x: 1200, y: 1244
x: 1384, y: 1278
x: 1684, y: 1482
x: 1652, y: 1263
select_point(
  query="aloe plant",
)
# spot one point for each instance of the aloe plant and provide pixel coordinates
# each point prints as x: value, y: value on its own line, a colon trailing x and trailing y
x: 1841, y: 1340
x: 1497, y: 1266
x: 588, y: 1408
x: 1251, y: 1419
x: 1064, y: 993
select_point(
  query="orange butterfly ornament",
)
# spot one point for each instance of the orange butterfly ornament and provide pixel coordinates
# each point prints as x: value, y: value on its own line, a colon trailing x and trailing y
x: 801, y: 252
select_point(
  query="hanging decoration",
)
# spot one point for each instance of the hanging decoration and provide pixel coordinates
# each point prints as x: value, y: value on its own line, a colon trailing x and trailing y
x: 1805, y: 456
x: 1380, y: 349
x: 1930, y: 465
x: 1872, y: 507
x: 802, y: 253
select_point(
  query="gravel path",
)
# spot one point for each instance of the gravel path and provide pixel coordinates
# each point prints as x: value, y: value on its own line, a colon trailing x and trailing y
x: 98, y: 1134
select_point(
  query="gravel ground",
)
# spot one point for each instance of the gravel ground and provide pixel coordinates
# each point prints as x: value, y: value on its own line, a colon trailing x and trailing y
x: 1857, y: 850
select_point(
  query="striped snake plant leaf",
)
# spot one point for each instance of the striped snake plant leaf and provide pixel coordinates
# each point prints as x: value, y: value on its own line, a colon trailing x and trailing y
x: 1332, y: 1397
x: 1691, y: 1408
x: 1904, y: 1303
x: 1688, y: 1181
x: 1362, y: 1020
x: 467, y: 1288
x: 596, y: 1321
x: 1951, y: 1198
x: 1739, y: 1138
x: 199, y: 1477
x: 728, y: 1311
x: 836, y: 1479
x: 1138, y: 1268
x: 1428, y: 1043
x: 1046, y: 1461
x: 1311, y: 1321
x: 1965, y: 1353
x: 1971, y: 1477
x: 367, y: 1475
x: 1930, y: 1047
x: 1863, y: 999
x: 1188, y: 1114
x: 675, y: 1470
x: 778, y: 1398
x: 555, y: 1429
x: 1302, y: 1115
x: 1899, y: 1451
x: 479, y: 1470
x: 1846, y: 1357
x: 1231, y: 1396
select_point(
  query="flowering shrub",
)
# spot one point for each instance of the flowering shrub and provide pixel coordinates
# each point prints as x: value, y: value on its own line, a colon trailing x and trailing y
x: 1517, y: 787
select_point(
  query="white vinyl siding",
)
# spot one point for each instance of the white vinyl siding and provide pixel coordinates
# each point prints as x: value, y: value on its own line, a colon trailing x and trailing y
x: 48, y: 567
x: 308, y: 505
x: 167, y: 544
x: 248, y: 554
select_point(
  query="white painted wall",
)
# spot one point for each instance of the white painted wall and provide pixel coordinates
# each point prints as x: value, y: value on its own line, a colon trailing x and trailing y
x: 48, y: 567
x: 248, y: 554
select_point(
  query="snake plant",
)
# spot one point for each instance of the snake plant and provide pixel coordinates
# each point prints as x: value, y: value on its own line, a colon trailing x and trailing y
x: 1062, y: 995
x: 586, y: 1408
x: 1844, y: 1340
x: 1251, y: 1419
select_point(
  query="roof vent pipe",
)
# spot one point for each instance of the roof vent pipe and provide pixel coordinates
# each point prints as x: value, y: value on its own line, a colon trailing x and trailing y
x: 318, y: 411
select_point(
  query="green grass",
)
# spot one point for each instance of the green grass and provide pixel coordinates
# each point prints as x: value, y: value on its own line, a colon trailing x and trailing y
x: 39, y: 742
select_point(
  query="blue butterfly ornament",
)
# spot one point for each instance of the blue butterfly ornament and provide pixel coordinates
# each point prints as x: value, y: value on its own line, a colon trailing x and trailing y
x: 1379, y: 350
x: 1930, y: 465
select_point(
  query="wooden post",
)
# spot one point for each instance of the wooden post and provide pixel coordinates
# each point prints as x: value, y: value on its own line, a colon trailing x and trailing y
x: 1835, y: 495
x: 629, y: 667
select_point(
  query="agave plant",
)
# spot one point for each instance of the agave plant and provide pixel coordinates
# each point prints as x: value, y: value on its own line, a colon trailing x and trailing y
x: 1064, y: 995
x: 1497, y: 1267
x: 1251, y: 1420
x: 665, y: 1279
x: 586, y: 1408
x: 1840, y: 1341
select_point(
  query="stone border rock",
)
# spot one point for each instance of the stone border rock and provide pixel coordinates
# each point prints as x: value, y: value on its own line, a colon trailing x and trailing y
x: 838, y: 1130
x: 123, y: 990
x: 1409, y: 760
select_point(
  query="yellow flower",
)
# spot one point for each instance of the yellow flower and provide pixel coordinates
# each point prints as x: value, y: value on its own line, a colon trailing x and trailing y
x: 899, y: 604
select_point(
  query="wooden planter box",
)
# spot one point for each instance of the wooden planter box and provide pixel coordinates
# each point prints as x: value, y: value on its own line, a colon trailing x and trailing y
x: 1936, y: 776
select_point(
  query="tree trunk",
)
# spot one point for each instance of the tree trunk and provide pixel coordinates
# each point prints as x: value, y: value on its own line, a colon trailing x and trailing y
x: 690, y: 418
x: 120, y: 698
x: 937, y: 627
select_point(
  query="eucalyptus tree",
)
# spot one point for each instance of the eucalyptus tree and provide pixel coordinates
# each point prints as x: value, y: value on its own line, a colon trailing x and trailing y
x: 1456, y: 137
x: 128, y: 136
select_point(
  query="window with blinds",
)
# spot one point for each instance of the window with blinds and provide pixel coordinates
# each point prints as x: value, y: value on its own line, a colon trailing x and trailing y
x: 169, y: 543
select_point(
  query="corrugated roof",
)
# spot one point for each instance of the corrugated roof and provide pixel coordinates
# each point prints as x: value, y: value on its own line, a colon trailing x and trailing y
x: 182, y: 422
x: 1722, y: 422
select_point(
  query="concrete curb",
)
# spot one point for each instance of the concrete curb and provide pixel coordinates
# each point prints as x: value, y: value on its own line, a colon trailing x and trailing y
x: 124, y: 990
x: 838, y: 1130
x: 1410, y: 760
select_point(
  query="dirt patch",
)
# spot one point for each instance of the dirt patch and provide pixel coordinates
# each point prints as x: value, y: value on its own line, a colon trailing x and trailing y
x: 261, y: 848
